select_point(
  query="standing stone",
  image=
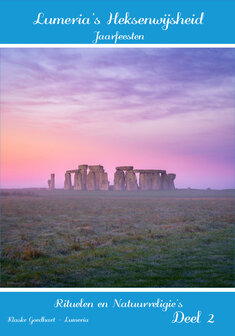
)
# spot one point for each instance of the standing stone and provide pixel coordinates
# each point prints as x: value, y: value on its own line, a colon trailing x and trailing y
x: 52, y: 184
x: 83, y: 170
x: 131, y: 181
x: 98, y: 170
x: 156, y: 181
x: 165, y: 185
x: 104, y: 183
x: 142, y: 181
x: 98, y: 178
x: 77, y: 181
x: 119, y: 180
x: 91, y: 182
x: 171, y: 178
x: 67, y: 182
x: 145, y: 181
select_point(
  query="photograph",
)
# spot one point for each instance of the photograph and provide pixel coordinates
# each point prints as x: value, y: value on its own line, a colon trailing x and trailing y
x: 117, y: 167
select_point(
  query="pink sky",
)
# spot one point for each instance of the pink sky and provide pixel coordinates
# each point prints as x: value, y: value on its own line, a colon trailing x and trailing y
x: 167, y: 109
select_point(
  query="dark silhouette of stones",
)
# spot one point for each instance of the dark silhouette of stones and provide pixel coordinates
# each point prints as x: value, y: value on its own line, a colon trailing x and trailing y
x: 165, y: 182
x: 131, y: 181
x: 119, y: 180
x: 156, y: 181
x: 77, y: 180
x: 67, y: 181
x: 171, y: 178
x: 91, y: 180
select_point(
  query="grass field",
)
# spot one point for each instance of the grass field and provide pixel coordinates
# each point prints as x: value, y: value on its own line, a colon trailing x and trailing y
x: 182, y: 238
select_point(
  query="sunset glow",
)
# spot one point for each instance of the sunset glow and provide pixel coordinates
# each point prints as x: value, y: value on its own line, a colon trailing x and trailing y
x: 167, y: 109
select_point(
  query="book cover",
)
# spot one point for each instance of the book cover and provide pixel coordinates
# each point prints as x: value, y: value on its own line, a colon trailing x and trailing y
x: 117, y: 167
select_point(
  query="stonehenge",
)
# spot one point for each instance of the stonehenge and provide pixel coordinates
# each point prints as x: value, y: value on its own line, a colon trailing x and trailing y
x: 51, y: 182
x: 156, y: 181
x: 171, y: 178
x: 126, y: 178
x: 104, y: 183
x: 67, y: 181
x: 87, y: 178
x: 149, y: 179
x: 165, y: 181
x: 145, y: 181
x: 131, y: 180
x: 83, y: 171
x: 100, y: 178
x: 119, y: 180
x: 91, y: 181
x: 77, y: 181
